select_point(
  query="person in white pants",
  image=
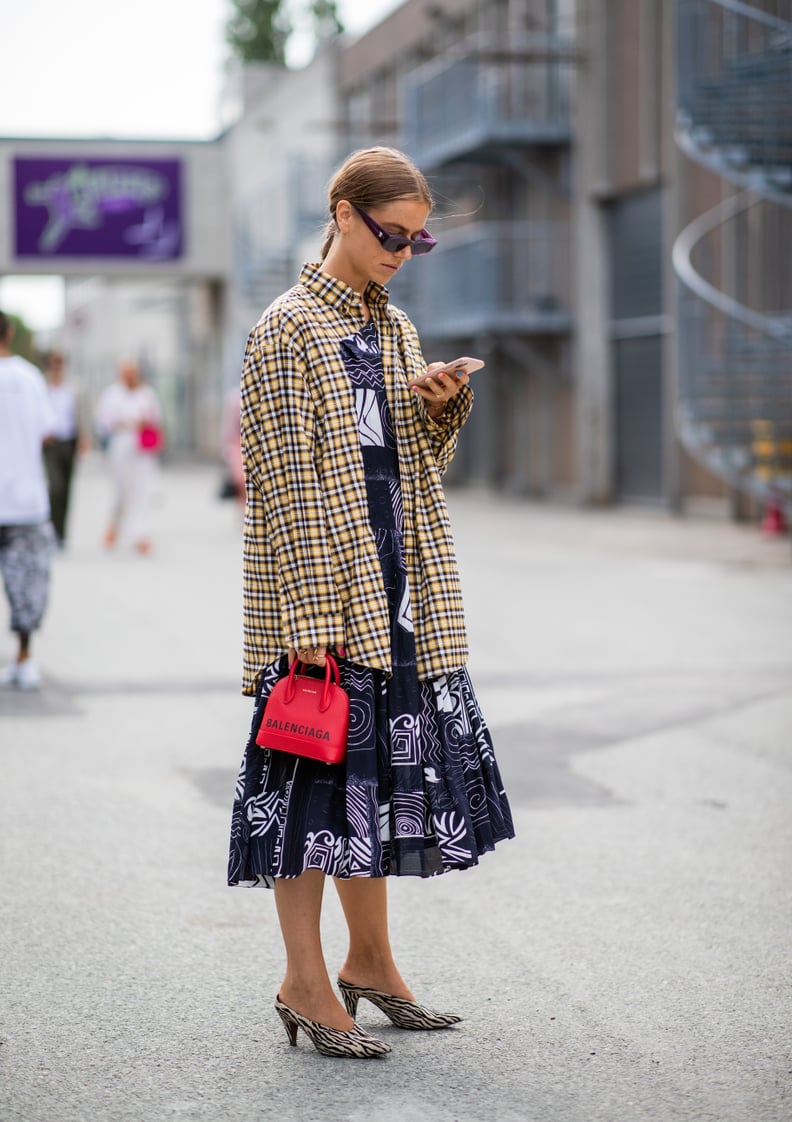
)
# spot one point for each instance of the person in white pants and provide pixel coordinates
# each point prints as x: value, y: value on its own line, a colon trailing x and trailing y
x: 26, y: 535
x: 129, y: 419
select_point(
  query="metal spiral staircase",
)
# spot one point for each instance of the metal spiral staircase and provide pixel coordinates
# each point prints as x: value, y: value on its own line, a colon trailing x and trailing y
x: 734, y: 262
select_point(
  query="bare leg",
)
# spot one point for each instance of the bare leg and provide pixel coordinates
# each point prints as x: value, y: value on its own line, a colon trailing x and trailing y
x: 306, y: 986
x: 369, y: 961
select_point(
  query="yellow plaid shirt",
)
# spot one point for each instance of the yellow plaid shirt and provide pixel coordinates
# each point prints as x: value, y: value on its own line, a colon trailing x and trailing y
x: 311, y: 571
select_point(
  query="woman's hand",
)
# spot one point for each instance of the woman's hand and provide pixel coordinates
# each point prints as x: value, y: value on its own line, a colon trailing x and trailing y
x: 437, y: 390
x: 313, y: 655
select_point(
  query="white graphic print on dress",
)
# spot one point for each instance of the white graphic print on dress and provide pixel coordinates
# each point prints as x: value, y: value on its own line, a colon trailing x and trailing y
x: 443, y: 694
x: 452, y: 836
x: 323, y: 850
x: 360, y: 857
x: 397, y: 502
x: 356, y: 810
x: 405, y: 733
x: 264, y: 813
x: 366, y: 346
x: 369, y: 419
x: 404, y: 616
x: 408, y: 814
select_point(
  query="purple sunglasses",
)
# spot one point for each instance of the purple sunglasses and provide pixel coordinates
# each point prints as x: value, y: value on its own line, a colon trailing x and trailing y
x: 393, y: 243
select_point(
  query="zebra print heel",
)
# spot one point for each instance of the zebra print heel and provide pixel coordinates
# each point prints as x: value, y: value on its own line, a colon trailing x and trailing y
x: 402, y: 1013
x: 355, y: 1044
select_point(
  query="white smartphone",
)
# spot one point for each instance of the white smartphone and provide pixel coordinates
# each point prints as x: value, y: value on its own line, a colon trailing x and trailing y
x: 465, y: 363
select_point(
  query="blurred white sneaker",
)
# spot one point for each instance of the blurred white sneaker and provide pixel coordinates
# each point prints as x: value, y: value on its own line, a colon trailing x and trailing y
x: 8, y: 676
x: 28, y: 676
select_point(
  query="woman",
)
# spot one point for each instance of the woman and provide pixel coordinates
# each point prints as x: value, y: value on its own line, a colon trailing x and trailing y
x: 69, y: 439
x: 348, y: 547
x: 128, y: 419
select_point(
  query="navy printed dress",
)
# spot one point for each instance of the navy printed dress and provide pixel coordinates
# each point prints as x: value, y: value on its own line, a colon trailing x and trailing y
x: 420, y: 792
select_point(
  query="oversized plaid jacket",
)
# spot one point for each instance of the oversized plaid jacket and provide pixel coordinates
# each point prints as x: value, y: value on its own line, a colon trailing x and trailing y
x: 311, y: 571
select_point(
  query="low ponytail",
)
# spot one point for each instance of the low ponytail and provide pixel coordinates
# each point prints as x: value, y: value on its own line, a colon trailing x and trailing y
x: 331, y: 229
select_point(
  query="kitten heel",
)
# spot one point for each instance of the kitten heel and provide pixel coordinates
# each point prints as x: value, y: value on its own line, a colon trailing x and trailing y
x: 402, y: 1013
x: 289, y: 1021
x: 351, y: 997
x: 355, y: 1044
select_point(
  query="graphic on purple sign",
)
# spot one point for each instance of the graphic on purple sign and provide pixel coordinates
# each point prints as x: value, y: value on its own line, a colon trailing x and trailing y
x: 98, y: 208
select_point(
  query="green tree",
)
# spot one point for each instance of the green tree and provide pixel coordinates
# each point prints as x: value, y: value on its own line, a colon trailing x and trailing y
x: 326, y: 20
x: 258, y: 30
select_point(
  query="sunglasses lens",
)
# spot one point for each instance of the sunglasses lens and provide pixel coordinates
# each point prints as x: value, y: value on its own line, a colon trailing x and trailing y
x: 395, y: 243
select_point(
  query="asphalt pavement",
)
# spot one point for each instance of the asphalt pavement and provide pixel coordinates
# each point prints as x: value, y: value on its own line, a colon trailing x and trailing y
x: 625, y: 958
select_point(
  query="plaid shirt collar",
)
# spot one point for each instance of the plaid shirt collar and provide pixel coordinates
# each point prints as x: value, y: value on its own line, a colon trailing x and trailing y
x: 339, y: 295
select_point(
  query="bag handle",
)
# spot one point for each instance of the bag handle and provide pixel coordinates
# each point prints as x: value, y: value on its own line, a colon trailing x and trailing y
x: 331, y: 672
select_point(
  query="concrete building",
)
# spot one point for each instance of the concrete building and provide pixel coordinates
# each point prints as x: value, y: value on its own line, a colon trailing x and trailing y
x: 570, y: 144
x: 481, y: 95
x: 558, y: 136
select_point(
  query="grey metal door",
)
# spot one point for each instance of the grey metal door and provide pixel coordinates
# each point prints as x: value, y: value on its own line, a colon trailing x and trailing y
x: 637, y: 345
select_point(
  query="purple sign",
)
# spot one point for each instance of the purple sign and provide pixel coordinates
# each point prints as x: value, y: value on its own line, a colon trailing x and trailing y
x: 98, y: 208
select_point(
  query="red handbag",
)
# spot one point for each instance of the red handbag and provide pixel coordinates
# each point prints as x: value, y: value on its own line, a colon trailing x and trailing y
x: 307, y: 716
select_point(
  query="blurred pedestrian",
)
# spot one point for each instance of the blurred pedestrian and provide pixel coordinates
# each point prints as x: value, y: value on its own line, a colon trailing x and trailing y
x: 69, y: 437
x: 129, y: 423
x: 234, y: 478
x: 345, y: 435
x: 26, y: 535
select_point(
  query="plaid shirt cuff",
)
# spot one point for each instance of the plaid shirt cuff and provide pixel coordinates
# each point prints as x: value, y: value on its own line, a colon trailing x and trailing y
x: 321, y: 631
x: 454, y: 415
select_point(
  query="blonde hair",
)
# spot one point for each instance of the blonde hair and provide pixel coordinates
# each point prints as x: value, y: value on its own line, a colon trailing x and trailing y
x: 370, y: 178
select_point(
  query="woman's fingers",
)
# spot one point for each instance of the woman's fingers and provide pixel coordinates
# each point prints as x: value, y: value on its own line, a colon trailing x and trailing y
x: 442, y: 388
x: 310, y: 655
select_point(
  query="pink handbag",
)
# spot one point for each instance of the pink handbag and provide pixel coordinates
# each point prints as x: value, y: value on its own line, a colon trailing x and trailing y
x: 307, y: 716
x: 150, y: 438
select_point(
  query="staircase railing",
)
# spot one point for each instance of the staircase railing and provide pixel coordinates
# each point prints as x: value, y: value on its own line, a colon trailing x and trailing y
x: 735, y: 341
x: 491, y: 278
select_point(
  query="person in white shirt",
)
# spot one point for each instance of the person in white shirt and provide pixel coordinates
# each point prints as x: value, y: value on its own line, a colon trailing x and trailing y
x: 129, y: 419
x: 69, y: 438
x: 26, y: 534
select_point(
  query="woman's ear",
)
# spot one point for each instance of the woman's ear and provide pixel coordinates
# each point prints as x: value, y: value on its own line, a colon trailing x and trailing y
x: 343, y: 214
